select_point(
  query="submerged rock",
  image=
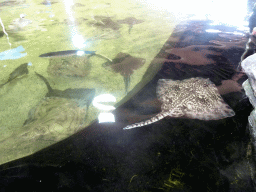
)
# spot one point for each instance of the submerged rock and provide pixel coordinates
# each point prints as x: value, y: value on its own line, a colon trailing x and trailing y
x: 53, y: 119
x: 71, y: 66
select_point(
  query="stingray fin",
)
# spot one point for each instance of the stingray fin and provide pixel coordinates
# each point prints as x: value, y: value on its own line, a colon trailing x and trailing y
x: 162, y: 87
x: 222, y: 111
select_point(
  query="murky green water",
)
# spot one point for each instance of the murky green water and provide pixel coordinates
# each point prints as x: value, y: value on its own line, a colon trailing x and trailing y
x: 50, y: 31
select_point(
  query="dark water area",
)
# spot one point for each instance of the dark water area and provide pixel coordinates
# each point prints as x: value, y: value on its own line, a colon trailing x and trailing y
x: 173, y: 154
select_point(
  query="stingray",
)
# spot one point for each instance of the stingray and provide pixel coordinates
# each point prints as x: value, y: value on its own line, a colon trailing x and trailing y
x: 130, y: 21
x: 53, y: 118
x: 125, y: 64
x: 84, y: 95
x: 18, y: 72
x: 106, y: 22
x: 194, y: 98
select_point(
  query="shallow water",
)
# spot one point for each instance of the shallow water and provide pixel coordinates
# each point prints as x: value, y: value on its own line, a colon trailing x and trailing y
x: 49, y: 31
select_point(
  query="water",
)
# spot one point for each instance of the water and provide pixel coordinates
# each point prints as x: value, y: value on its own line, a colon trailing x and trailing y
x: 59, y: 26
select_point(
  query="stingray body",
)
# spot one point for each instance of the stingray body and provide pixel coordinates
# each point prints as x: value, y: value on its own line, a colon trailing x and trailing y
x: 130, y: 21
x: 194, y: 98
x: 84, y: 95
x: 125, y: 64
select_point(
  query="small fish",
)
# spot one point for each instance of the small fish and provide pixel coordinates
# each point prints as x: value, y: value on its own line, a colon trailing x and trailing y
x: 19, y: 71
x: 86, y: 95
x: 66, y: 53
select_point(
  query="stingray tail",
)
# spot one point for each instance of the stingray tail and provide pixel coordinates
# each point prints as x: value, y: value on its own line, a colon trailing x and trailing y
x: 3, y: 84
x: 149, y: 121
x: 46, y: 82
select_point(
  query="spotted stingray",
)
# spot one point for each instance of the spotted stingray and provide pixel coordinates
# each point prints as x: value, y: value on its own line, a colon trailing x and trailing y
x: 194, y: 98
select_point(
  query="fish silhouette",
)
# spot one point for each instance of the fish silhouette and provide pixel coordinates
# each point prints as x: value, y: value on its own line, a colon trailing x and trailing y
x: 19, y: 71
x: 66, y: 53
x: 84, y: 95
x: 130, y: 21
x: 125, y: 64
x: 106, y: 22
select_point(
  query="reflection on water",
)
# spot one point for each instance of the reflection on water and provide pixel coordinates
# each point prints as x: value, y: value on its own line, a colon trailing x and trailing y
x: 100, y: 102
x: 14, y: 53
x: 216, y: 10
x: 50, y: 100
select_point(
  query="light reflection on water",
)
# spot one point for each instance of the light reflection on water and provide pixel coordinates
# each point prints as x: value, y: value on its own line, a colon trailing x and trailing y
x: 221, y: 11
